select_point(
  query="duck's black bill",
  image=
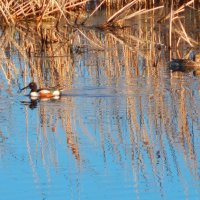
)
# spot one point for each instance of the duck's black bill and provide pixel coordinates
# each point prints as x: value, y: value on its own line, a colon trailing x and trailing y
x: 20, y: 90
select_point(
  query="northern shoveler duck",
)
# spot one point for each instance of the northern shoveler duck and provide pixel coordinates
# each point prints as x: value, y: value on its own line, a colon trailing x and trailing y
x: 185, y: 65
x: 42, y: 92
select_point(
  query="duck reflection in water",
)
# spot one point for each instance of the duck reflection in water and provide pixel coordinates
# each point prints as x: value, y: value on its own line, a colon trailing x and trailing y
x: 32, y: 104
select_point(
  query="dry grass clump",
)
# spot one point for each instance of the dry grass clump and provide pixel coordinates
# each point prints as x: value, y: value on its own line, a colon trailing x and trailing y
x: 43, y: 33
x: 39, y: 10
x: 13, y: 11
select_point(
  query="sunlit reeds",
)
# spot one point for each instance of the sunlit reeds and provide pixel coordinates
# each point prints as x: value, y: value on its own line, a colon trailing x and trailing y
x: 49, y: 40
x: 14, y: 11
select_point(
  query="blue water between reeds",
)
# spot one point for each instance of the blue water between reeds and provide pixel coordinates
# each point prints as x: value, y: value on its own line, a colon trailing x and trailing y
x: 104, y: 139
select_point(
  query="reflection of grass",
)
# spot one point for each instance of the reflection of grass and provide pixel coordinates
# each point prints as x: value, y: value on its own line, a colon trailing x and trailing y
x: 154, y: 127
x: 49, y: 52
x: 51, y: 39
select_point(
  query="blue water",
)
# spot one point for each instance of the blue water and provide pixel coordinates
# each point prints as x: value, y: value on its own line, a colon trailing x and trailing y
x: 103, y: 139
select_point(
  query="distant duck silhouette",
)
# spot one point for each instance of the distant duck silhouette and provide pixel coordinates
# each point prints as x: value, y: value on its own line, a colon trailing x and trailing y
x: 196, y: 73
x: 185, y: 65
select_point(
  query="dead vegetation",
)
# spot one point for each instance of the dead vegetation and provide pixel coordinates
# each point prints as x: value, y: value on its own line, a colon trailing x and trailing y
x: 56, y: 30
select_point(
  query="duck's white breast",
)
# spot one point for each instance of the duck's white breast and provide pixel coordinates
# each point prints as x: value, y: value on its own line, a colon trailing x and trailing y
x: 56, y: 93
x: 34, y: 94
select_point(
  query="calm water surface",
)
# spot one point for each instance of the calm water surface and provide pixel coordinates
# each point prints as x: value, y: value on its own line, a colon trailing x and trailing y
x: 137, y: 140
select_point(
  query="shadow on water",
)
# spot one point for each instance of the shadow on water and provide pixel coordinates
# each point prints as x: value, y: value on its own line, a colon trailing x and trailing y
x: 125, y: 126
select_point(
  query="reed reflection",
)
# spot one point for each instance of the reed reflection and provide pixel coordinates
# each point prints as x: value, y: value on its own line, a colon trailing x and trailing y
x: 144, y: 119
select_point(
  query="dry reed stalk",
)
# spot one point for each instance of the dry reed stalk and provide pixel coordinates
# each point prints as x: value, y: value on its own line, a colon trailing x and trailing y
x: 62, y: 12
x: 180, y: 31
x: 71, y: 138
x: 23, y: 10
x: 90, y: 40
x: 5, y: 74
x: 97, y: 8
x: 4, y: 15
x: 122, y: 41
x: 134, y: 126
x: 144, y: 40
x: 185, y: 34
x: 94, y: 11
x: 7, y: 12
x: 182, y: 8
x: 179, y: 10
x: 189, y: 40
x: 170, y: 26
x: 121, y: 11
x: 28, y: 146
x: 75, y: 4
x: 140, y: 12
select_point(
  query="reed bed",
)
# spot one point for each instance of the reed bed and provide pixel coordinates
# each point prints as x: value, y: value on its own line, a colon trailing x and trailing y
x: 12, y: 12
x: 37, y: 10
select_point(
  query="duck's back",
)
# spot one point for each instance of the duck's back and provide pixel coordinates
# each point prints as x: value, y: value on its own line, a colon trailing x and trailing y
x: 183, y: 65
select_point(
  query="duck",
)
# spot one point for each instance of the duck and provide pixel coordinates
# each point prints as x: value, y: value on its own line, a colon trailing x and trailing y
x: 42, y: 92
x: 185, y: 65
x: 196, y: 73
